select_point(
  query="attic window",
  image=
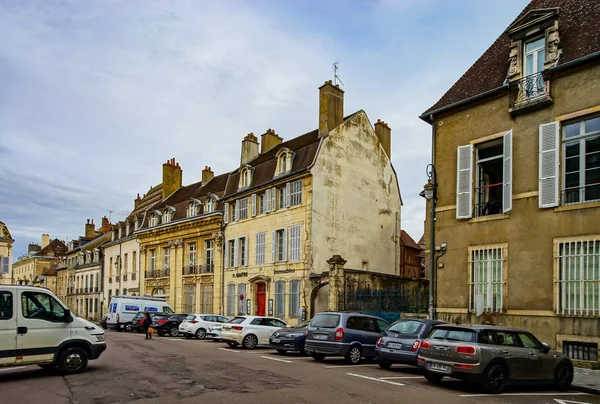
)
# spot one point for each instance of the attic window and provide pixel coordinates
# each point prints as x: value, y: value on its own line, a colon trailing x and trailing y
x: 193, y: 208
x: 284, y: 162
x: 155, y: 219
x: 209, y: 205
x: 245, y: 177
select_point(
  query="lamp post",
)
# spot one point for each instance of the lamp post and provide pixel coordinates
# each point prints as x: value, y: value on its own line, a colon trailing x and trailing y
x: 430, y: 193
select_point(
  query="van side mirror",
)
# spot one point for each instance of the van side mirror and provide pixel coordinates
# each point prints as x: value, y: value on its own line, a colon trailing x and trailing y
x: 545, y: 347
x: 67, y: 318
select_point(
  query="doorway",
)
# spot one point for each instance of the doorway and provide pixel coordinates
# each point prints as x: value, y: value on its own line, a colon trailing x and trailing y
x: 261, y: 296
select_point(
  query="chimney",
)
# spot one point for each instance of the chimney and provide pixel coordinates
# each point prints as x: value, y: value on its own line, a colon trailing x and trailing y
x: 33, y: 247
x: 90, y: 232
x: 137, y: 201
x: 172, y: 177
x: 268, y: 140
x: 105, y: 225
x: 384, y: 134
x: 249, y: 148
x: 207, y: 174
x: 45, y: 240
x: 331, y: 107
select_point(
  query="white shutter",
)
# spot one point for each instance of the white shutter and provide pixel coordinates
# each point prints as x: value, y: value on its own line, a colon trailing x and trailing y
x: 236, y: 215
x: 235, y: 252
x: 245, y: 263
x: 268, y: 200
x: 226, y: 219
x: 287, y: 195
x: 548, y: 165
x: 273, y: 245
x: 464, y: 182
x: 226, y: 253
x: 253, y: 204
x: 274, y: 199
x: 285, y: 243
x: 507, y: 173
x: 256, y: 249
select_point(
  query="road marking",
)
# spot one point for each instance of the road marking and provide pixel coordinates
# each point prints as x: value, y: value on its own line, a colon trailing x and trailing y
x: 18, y: 367
x: 401, y: 377
x: 375, y: 379
x: 175, y: 339
x: 523, y: 394
x: 276, y: 359
x: 349, y: 366
x: 229, y: 350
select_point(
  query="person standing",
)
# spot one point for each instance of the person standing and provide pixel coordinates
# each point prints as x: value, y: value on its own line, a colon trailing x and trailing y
x: 146, y: 325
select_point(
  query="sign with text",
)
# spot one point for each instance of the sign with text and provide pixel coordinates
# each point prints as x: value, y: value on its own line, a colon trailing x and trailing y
x: 132, y: 308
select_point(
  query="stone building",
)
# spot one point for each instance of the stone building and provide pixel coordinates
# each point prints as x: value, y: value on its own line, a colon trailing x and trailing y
x: 6, y: 242
x: 516, y: 144
x: 38, y: 260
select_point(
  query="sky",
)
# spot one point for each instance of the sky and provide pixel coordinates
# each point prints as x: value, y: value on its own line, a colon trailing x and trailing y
x: 95, y: 95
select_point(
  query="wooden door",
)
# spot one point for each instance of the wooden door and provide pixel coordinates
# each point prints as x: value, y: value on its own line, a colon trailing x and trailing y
x: 261, y: 296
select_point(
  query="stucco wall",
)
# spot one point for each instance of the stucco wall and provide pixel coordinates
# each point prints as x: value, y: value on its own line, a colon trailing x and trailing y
x: 6, y: 251
x: 356, y: 203
x: 127, y: 247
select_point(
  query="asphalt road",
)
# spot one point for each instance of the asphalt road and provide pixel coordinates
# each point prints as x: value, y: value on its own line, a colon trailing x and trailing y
x: 172, y: 370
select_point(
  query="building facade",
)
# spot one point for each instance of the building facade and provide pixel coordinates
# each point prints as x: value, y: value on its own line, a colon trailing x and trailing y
x: 6, y: 242
x: 516, y: 145
x: 38, y: 260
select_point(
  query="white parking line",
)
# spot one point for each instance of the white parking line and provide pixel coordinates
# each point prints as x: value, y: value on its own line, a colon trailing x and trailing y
x: 229, y: 350
x: 375, y: 379
x: 523, y: 394
x: 401, y: 377
x: 349, y: 366
x: 18, y: 367
x: 276, y: 359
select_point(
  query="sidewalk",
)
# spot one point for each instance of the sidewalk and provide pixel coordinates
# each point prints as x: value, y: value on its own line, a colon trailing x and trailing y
x: 586, y: 380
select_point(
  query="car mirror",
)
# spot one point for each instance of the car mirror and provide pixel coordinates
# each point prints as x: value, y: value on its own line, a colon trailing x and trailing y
x: 67, y: 318
x: 545, y: 347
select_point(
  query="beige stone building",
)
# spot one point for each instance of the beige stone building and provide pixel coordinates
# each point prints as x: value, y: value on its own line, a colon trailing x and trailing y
x: 516, y: 144
x: 6, y: 242
x: 38, y: 260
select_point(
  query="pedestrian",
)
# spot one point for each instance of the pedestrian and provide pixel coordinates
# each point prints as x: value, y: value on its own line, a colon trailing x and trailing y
x: 146, y: 325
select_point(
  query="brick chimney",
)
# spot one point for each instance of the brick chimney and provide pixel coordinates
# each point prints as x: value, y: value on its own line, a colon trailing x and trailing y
x: 137, y: 201
x: 331, y: 107
x: 268, y: 140
x: 384, y: 134
x: 249, y: 148
x: 172, y: 177
x: 207, y: 174
x: 90, y: 232
x: 45, y: 240
x: 106, y: 226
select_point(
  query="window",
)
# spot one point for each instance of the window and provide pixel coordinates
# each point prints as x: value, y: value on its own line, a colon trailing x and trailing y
x: 168, y: 215
x: 233, y: 211
x: 456, y: 334
x: 586, y: 351
x: 110, y: 268
x: 189, y: 298
x: 534, y: 56
x: 579, y: 278
x: 231, y: 252
x: 261, y: 204
x: 152, y: 260
x: 126, y: 262
x: 167, y: 258
x: 207, y: 299
x: 154, y: 220
x: 231, y: 299
x: 407, y: 327
x: 283, y: 163
x: 294, y: 298
x: 488, y: 191
x: 241, y: 291
x: 280, y: 298
x: 245, y: 178
x: 581, y: 161
x: 209, y: 205
x: 243, y: 209
x: 124, y: 291
x: 295, y: 242
x: 133, y: 261
x: 192, y: 209
x: 281, y: 197
x: 243, y: 251
x: 529, y: 341
x: 261, y: 247
x: 192, y: 253
x: 280, y: 245
x: 208, y: 252
x: 41, y: 306
x: 486, y: 279
x: 296, y: 193
x: 6, y: 306
x: 507, y: 338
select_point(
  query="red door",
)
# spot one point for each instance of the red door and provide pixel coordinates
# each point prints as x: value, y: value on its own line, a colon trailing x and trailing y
x: 261, y: 295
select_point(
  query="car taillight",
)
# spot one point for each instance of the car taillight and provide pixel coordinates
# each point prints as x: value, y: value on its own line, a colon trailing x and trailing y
x: 162, y: 321
x: 419, y: 359
x: 237, y: 327
x: 378, y: 344
x: 415, y: 346
x: 461, y: 366
x: 193, y: 321
x: 467, y: 350
x: 339, y: 334
x: 306, y: 333
x: 425, y: 345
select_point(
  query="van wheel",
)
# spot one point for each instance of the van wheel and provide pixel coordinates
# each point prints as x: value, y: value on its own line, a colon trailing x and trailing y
x: 353, y: 355
x: 495, y: 379
x: 73, y: 360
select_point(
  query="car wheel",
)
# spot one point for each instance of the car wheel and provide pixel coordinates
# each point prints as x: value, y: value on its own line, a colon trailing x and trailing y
x: 173, y: 332
x: 433, y: 377
x: 563, y: 377
x: 318, y: 357
x: 384, y: 364
x: 281, y: 351
x: 73, y: 360
x: 201, y: 333
x: 353, y: 355
x: 232, y: 344
x: 250, y: 341
x: 495, y: 379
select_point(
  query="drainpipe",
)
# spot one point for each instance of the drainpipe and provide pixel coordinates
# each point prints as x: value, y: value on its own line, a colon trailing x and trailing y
x: 223, y: 258
x: 432, y: 281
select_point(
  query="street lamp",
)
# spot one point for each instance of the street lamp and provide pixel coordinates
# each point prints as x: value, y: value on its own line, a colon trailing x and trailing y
x: 429, y: 193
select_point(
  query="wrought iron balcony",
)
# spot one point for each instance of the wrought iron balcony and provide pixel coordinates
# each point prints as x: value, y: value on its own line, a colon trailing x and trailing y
x: 529, y: 91
x: 190, y: 269
x: 158, y: 273
x: 207, y: 268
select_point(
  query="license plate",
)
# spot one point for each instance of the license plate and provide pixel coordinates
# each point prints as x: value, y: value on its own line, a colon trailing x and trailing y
x: 439, y: 366
x: 393, y: 345
x: 320, y: 336
x: 276, y: 340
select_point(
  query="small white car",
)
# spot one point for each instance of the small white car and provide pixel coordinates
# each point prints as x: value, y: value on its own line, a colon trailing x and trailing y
x: 214, y: 332
x: 250, y: 331
x: 197, y: 325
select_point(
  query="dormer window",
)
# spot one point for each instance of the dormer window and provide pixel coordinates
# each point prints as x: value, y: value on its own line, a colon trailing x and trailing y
x: 210, y: 203
x: 245, y: 177
x: 96, y: 255
x: 127, y: 229
x: 192, y: 209
x: 155, y: 219
x: 284, y: 162
x: 168, y: 215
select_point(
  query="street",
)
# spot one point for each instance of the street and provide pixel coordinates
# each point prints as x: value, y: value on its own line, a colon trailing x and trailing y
x: 176, y: 370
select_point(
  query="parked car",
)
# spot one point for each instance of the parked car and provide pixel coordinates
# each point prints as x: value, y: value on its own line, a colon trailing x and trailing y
x: 214, y: 332
x: 103, y: 321
x: 492, y: 356
x: 197, y: 325
x: 401, y: 342
x: 250, y: 331
x: 289, y: 339
x: 351, y: 335
x: 122, y: 309
x: 138, y: 319
x: 168, y: 324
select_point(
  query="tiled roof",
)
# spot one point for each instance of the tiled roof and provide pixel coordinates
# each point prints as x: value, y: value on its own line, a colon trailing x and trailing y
x: 55, y: 248
x: 153, y: 196
x: 408, y: 241
x: 422, y: 240
x: 97, y: 242
x: 579, y: 37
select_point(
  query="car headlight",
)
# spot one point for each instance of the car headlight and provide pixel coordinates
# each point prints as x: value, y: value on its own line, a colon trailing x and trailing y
x: 293, y: 335
x: 99, y: 337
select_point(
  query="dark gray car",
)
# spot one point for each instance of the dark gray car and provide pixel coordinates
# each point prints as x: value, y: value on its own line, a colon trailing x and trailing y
x: 351, y: 335
x: 493, y: 356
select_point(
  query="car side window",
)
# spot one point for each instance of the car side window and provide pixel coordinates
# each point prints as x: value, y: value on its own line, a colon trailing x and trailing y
x: 487, y: 337
x: 276, y: 323
x: 353, y: 323
x: 506, y: 338
x: 222, y: 319
x: 257, y: 321
x: 6, y: 309
x: 528, y: 341
x: 383, y: 325
x: 41, y: 306
x: 210, y: 318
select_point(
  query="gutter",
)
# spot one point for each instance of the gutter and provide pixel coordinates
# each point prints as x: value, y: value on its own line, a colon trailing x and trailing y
x: 577, y: 62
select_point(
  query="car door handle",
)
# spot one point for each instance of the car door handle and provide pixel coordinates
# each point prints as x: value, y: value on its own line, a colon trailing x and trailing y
x: 21, y: 330
x: 506, y: 352
x: 532, y: 354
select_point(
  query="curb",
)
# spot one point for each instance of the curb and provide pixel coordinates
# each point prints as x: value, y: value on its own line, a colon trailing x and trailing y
x: 586, y: 389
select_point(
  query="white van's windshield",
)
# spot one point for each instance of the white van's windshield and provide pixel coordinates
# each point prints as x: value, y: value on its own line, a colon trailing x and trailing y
x: 167, y: 309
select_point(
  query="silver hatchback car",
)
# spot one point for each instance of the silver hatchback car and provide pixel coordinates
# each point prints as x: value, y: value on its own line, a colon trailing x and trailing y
x: 493, y: 356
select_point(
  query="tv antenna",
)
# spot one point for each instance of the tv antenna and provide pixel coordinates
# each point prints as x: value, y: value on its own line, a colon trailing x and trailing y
x: 335, y: 74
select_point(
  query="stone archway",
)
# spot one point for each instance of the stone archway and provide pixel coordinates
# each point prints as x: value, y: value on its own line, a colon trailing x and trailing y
x: 319, y: 299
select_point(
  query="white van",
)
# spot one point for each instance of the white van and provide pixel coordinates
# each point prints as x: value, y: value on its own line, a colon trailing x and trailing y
x: 122, y: 309
x: 36, y: 328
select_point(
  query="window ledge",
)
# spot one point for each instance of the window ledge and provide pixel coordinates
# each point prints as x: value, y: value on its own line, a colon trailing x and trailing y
x: 584, y: 205
x: 488, y: 218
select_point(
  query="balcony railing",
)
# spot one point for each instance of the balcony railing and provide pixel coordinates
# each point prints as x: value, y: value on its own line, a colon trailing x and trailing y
x: 190, y: 269
x: 485, y: 205
x: 530, y: 90
x: 158, y: 273
x: 198, y: 269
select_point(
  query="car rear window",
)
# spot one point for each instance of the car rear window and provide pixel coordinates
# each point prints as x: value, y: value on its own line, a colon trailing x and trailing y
x: 406, y: 327
x: 161, y: 317
x: 325, y: 320
x: 190, y: 318
x: 454, y: 334
x: 237, y: 320
x: 303, y: 324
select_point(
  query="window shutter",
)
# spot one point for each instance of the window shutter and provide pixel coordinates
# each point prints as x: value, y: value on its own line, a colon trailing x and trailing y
x: 548, y: 165
x: 287, y: 195
x: 226, y: 253
x: 285, y: 243
x: 464, y: 182
x: 236, y: 215
x: 253, y: 204
x: 273, y: 245
x: 268, y: 200
x: 235, y: 252
x: 274, y: 199
x: 245, y: 263
x: 256, y: 249
x: 507, y: 173
x: 226, y: 218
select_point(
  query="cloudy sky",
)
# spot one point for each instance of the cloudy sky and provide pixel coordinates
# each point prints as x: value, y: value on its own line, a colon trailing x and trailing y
x: 96, y: 95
